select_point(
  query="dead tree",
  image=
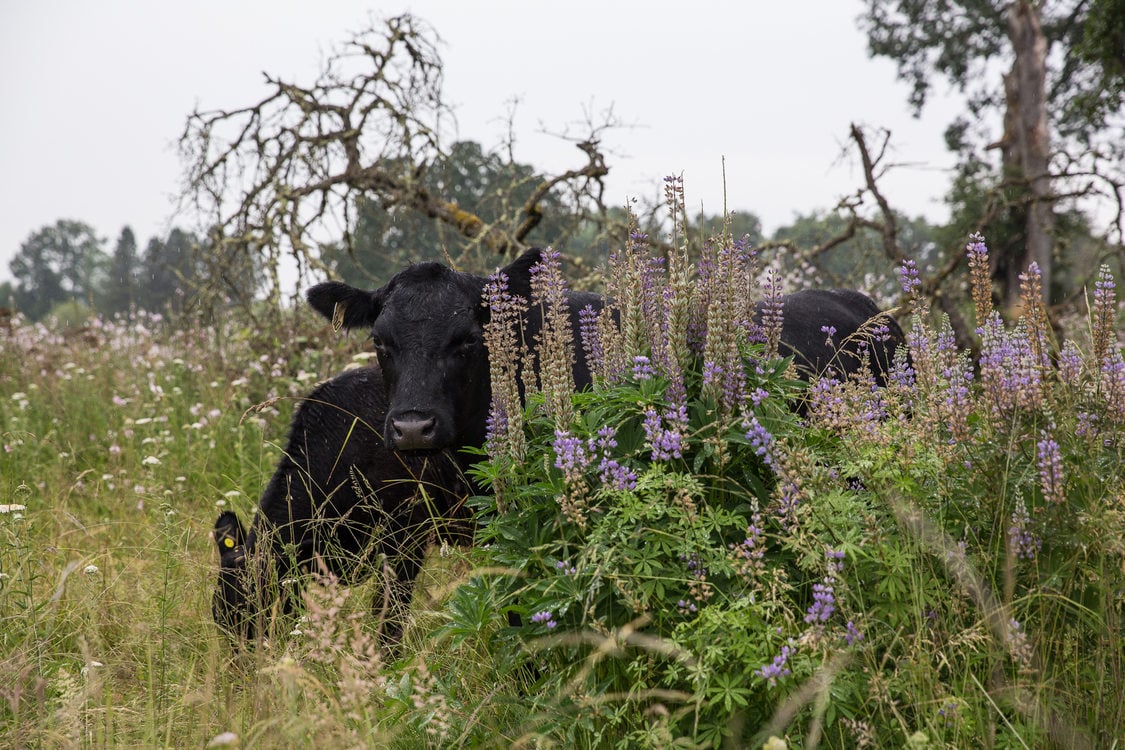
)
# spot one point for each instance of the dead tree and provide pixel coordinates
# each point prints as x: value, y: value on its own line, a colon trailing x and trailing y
x: 279, y: 176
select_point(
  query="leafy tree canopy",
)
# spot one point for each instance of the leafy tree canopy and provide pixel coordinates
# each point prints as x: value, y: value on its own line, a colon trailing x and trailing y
x: 56, y: 264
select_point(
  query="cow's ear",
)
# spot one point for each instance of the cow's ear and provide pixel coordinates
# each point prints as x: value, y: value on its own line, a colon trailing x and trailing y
x: 229, y: 535
x: 345, y: 305
x: 519, y: 272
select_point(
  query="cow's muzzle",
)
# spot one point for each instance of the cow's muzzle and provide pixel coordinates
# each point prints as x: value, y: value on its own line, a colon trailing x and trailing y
x: 412, y: 431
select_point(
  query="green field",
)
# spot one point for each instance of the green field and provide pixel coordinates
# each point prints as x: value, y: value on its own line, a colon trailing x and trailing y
x: 946, y: 572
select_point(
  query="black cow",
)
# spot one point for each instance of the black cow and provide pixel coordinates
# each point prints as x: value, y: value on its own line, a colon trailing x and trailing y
x: 855, y: 324
x: 346, y: 492
x: 341, y: 502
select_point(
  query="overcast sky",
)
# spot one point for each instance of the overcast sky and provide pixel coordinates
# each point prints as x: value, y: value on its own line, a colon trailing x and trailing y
x: 95, y: 94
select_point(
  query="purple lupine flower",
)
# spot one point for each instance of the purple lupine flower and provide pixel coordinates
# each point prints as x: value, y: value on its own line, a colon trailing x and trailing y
x: 607, y: 438
x: 1087, y: 426
x: 570, y: 455
x: 908, y: 276
x: 666, y: 444
x: 1019, y: 646
x: 617, y: 476
x: 694, y: 565
x: 773, y: 312
x: 835, y: 558
x: 760, y: 440
x: 642, y: 368
x: 829, y: 331
x: 1010, y: 373
x: 902, y: 374
x: 771, y: 672
x: 546, y: 618
x: 1070, y: 364
x: 564, y: 567
x: 591, y: 338
x: 686, y: 606
x: 748, y: 554
x: 556, y: 339
x: 852, y: 634
x: 505, y: 428
x: 1105, y: 317
x: 824, y: 603
x: 1113, y: 381
x: 1023, y: 543
x: 1050, y: 469
x: 788, y: 502
x: 948, y: 712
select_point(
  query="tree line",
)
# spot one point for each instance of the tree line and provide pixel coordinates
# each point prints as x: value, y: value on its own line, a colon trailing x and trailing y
x: 65, y: 267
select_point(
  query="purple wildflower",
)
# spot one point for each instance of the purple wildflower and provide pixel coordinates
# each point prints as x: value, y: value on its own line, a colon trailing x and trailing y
x: 748, y: 554
x: 760, y: 440
x: 771, y: 672
x: 666, y: 444
x: 789, y: 496
x: 773, y: 311
x: 1070, y: 364
x: 1087, y: 425
x: 852, y: 634
x: 1050, y: 469
x: 564, y: 567
x: 980, y: 277
x: 824, y: 603
x: 1023, y: 543
x: 908, y: 275
x: 617, y: 476
x: 1105, y: 317
x: 1113, y: 381
x: 570, y: 455
x: 642, y: 368
x: 948, y: 712
x: 1010, y: 372
x: 546, y: 618
x: 591, y: 338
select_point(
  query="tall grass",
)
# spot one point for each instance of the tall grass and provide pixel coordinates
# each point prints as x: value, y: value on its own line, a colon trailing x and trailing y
x: 674, y: 558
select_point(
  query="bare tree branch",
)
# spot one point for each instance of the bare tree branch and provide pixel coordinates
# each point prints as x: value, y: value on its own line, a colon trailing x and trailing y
x: 283, y: 175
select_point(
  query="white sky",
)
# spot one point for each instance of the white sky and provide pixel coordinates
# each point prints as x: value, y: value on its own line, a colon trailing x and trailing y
x: 93, y: 96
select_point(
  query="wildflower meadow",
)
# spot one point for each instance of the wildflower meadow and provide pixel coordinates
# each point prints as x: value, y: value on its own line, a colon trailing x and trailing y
x: 700, y: 551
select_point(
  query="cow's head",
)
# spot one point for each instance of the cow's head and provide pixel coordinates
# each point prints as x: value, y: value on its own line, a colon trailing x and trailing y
x: 427, y: 325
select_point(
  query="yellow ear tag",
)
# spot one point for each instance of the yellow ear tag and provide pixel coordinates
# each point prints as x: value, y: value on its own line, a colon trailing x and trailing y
x: 338, y: 311
x: 228, y: 542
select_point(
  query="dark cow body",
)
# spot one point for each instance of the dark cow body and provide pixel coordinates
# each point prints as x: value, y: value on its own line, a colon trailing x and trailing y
x: 339, y: 502
x: 857, y: 321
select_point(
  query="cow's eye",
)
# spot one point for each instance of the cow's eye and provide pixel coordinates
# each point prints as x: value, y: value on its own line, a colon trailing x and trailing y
x: 464, y: 345
x: 382, y: 346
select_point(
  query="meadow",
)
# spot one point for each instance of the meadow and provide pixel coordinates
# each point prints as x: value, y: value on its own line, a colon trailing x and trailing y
x: 938, y: 563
